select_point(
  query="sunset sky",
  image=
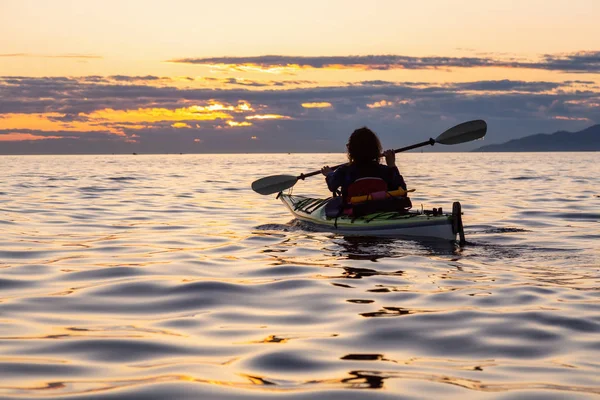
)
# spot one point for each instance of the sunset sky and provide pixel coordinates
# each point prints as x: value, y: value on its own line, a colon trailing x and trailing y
x: 238, y: 76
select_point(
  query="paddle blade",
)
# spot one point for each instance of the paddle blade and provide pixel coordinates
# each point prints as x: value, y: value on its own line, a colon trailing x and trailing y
x: 462, y: 133
x: 274, y: 184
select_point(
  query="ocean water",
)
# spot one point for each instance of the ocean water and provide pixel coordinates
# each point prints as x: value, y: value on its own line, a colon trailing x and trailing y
x: 165, y: 276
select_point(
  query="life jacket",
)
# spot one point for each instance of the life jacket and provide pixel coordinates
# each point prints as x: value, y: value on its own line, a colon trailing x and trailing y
x: 367, y: 196
x: 366, y: 186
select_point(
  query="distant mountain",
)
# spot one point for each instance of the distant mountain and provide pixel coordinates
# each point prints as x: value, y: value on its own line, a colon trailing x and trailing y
x: 585, y: 140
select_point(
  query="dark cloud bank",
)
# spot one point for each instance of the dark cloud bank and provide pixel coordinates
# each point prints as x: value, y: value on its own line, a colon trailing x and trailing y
x: 401, y: 113
x: 579, y: 62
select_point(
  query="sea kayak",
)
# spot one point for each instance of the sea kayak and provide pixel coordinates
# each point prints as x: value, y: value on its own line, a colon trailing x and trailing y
x: 425, y: 225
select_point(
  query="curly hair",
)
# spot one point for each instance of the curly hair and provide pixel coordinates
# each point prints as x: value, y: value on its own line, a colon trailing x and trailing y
x: 363, y: 146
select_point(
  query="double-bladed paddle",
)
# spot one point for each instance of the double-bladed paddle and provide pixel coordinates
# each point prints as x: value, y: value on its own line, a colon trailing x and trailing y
x: 461, y: 133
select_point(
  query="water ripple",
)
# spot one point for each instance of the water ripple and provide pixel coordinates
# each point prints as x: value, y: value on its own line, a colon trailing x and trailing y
x: 164, y: 277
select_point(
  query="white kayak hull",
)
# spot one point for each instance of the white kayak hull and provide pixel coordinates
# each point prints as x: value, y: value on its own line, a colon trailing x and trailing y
x: 414, y: 225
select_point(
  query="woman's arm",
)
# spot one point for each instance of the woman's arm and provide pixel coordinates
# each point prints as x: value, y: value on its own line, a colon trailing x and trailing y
x: 333, y: 178
x: 390, y: 158
x: 397, y: 180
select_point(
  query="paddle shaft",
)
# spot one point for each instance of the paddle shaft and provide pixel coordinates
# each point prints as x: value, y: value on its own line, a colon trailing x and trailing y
x: 414, y: 146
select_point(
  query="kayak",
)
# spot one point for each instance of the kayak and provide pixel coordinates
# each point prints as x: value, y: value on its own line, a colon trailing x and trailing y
x: 426, y: 225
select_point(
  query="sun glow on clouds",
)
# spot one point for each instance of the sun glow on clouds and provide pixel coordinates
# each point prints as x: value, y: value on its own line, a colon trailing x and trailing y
x: 268, y: 116
x: 380, y: 104
x: 54, y: 122
x: 249, y: 67
x: 280, y: 69
x: 238, y: 124
x: 588, y: 103
x: 215, y: 106
x: 322, y: 104
x: 180, y: 125
x: 565, y: 118
x: 148, y: 115
x: 116, y: 122
x: 18, y: 137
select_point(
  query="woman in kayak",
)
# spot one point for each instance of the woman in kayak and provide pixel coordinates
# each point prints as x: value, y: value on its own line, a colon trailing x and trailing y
x: 364, y: 152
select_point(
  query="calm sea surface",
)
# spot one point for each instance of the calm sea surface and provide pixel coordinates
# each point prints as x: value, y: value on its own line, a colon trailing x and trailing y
x: 165, y: 276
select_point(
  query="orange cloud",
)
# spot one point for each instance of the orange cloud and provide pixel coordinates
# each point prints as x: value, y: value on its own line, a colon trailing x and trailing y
x: 379, y: 104
x: 268, y: 116
x: 192, y: 113
x: 181, y: 125
x: 238, y: 124
x: 250, y: 67
x: 118, y: 122
x: 323, y: 104
x: 561, y: 117
x: 48, y: 122
x: 18, y: 137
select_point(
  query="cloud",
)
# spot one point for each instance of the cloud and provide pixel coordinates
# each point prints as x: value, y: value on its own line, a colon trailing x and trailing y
x: 124, y: 78
x: 579, y: 62
x: 181, y: 125
x: 582, y: 61
x: 243, y: 82
x: 267, y: 116
x: 94, y: 114
x: 381, y: 103
x: 59, y: 134
x: 237, y: 124
x: 508, y: 85
x: 20, y: 137
x: 369, y: 62
x: 323, y: 104
x: 570, y: 118
x: 73, y: 96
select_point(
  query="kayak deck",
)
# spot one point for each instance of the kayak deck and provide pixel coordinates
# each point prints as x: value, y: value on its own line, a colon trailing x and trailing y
x: 413, y: 224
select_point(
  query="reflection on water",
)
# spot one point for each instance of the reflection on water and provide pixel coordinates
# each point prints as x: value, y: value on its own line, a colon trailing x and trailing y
x: 167, y: 277
x: 373, y: 248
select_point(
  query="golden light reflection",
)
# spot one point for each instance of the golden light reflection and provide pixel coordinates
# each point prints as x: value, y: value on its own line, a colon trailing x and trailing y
x: 272, y: 339
x: 373, y: 379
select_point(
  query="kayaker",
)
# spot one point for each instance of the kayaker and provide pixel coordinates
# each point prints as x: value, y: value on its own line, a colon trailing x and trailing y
x: 364, y: 152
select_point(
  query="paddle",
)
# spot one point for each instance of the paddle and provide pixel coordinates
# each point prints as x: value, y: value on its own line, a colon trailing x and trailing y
x: 462, y: 133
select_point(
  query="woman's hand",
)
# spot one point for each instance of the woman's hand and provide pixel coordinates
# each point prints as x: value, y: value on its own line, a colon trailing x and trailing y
x: 390, y: 158
x: 326, y: 170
